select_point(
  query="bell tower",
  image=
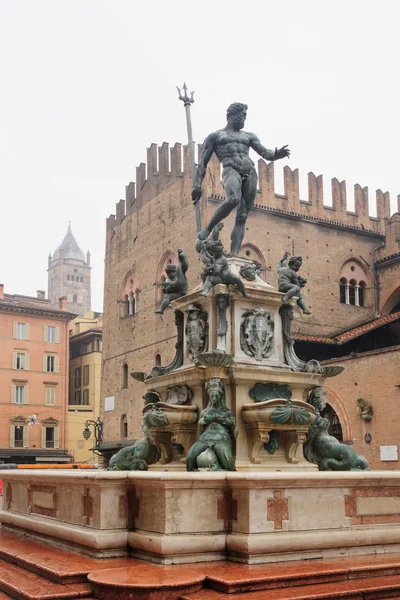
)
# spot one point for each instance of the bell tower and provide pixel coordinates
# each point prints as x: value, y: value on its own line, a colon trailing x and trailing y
x: 69, y: 275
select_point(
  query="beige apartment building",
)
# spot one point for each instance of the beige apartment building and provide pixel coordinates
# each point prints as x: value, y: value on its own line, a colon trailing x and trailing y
x: 84, y: 384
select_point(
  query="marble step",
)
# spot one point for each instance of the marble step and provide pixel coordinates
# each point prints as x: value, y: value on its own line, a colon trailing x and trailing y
x: 151, y: 583
x: 236, y: 577
x: 57, y: 565
x: 367, y: 588
x: 21, y: 584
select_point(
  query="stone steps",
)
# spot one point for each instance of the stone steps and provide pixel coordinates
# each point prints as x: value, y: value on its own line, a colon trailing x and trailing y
x: 367, y: 588
x: 21, y: 584
x: 31, y: 570
x: 57, y: 565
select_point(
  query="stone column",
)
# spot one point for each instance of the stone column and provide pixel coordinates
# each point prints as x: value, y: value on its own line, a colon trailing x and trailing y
x: 357, y: 295
x: 347, y: 293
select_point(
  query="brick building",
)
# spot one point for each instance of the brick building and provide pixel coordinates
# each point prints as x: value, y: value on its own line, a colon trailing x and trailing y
x: 33, y: 379
x: 351, y: 261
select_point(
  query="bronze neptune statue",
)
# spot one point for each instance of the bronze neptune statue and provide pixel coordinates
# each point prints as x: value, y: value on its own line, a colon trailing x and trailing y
x: 239, y: 177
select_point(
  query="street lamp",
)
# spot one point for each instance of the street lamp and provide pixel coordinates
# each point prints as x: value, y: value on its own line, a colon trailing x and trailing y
x: 98, y: 430
x: 86, y: 433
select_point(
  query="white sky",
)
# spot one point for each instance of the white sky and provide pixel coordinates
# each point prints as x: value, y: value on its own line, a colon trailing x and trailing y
x: 87, y: 85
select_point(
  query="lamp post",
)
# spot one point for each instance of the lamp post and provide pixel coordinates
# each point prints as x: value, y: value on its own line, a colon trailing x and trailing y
x: 98, y: 430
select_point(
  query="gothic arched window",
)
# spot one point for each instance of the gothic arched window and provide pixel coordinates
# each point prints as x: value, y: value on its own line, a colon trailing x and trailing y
x: 352, y: 292
x: 125, y: 376
x: 343, y: 283
x: 124, y: 426
x: 361, y: 293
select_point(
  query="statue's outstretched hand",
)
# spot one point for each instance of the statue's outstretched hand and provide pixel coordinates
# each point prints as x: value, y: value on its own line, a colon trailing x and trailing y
x: 283, y: 152
x: 196, y: 194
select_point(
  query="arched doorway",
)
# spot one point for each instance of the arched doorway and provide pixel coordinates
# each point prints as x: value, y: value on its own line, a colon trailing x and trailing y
x: 337, y: 415
x: 335, y: 428
x: 391, y: 303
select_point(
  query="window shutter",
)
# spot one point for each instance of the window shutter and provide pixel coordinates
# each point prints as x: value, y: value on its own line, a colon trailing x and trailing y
x: 57, y: 336
x: 14, y: 360
x: 27, y: 331
x: 26, y: 436
x: 13, y: 393
x: 56, y: 364
x: 12, y: 436
x: 45, y: 362
x: 26, y: 394
x: 43, y: 437
x: 26, y: 361
x: 45, y: 333
x: 15, y: 330
x: 56, y: 437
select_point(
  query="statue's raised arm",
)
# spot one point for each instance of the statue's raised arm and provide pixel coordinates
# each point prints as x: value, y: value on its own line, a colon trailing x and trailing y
x: 267, y: 154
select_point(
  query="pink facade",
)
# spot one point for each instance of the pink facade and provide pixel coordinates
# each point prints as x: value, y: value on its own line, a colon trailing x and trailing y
x: 34, y: 358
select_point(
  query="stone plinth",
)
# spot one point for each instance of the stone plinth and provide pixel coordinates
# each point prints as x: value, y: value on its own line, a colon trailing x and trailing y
x: 170, y: 517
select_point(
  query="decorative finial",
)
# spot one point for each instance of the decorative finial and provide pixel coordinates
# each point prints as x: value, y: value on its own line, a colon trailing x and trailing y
x: 185, y: 98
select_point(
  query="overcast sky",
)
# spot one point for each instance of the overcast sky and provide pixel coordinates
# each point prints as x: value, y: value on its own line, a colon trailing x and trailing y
x: 87, y: 85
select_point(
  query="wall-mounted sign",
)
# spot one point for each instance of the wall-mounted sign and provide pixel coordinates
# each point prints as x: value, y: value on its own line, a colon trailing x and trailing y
x: 109, y: 403
x: 389, y: 453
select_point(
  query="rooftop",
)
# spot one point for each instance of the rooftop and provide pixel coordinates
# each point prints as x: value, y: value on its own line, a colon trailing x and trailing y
x: 69, y: 248
x: 345, y: 336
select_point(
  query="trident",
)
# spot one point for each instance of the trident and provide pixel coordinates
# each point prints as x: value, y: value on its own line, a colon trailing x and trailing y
x: 187, y: 101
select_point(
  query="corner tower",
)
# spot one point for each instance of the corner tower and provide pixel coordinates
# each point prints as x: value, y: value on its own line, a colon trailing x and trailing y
x: 69, y: 275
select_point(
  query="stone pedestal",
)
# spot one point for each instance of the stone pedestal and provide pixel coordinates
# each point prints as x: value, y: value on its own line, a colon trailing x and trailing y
x: 244, y: 346
x: 194, y: 517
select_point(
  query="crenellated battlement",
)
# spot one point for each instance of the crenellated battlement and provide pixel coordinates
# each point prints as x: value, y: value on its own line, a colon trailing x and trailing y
x: 165, y: 165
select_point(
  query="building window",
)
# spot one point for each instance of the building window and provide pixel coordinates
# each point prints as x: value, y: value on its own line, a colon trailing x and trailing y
x: 19, y: 433
x: 352, y: 292
x: 85, y: 398
x: 49, y: 437
x: 125, y: 377
x: 73, y: 278
x: 97, y: 346
x: 86, y: 375
x: 342, y: 284
x: 86, y: 347
x: 50, y: 363
x: 21, y: 331
x: 124, y: 426
x: 68, y: 277
x: 132, y: 305
x: 78, y: 377
x: 75, y: 299
x: 50, y: 395
x: 81, y: 279
x: 18, y: 436
x: 50, y: 433
x: 19, y: 394
x: 361, y: 293
x: 77, y: 398
x: 51, y: 334
x: 20, y: 360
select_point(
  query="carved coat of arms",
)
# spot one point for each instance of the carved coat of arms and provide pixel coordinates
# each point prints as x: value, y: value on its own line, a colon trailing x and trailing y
x: 196, y: 332
x: 257, y: 333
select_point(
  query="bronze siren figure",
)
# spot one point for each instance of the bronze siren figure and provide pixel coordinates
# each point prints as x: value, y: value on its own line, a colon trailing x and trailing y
x: 239, y: 177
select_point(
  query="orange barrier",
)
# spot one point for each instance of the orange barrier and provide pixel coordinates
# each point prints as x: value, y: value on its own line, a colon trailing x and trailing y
x: 50, y: 466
